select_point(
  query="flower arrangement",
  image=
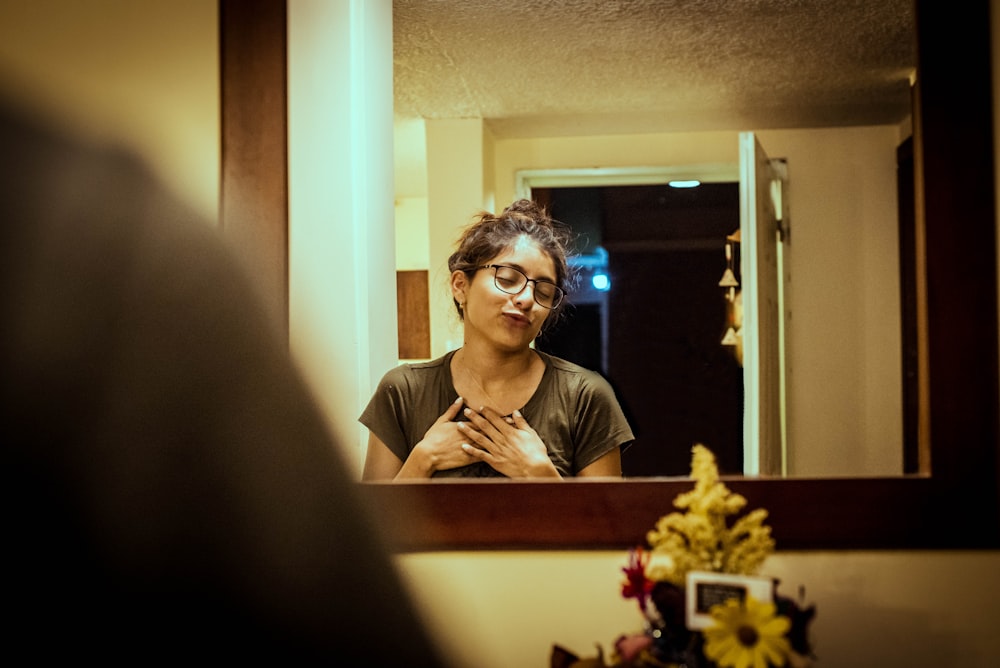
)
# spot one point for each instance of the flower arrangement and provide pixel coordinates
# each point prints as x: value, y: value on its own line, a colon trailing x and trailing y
x: 745, y: 632
x: 741, y: 627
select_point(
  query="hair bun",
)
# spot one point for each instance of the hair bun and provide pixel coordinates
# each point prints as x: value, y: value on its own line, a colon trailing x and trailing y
x: 525, y: 207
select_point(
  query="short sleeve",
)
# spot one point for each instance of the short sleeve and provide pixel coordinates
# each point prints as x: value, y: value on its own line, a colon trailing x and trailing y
x: 601, y: 423
x: 386, y: 413
x: 407, y: 402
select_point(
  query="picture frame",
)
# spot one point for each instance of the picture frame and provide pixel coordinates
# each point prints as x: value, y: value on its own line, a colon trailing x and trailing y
x: 705, y: 589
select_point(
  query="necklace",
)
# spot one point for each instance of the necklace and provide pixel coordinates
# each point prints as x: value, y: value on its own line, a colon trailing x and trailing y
x: 475, y: 381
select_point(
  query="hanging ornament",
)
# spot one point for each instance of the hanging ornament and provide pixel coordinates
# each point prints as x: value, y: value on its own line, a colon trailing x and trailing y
x: 728, y: 277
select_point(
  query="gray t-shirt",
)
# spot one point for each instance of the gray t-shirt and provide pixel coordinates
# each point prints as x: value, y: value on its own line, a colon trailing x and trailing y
x: 573, y: 410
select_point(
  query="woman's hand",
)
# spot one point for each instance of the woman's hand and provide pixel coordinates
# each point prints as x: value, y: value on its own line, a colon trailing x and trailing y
x: 509, y: 445
x: 440, y: 448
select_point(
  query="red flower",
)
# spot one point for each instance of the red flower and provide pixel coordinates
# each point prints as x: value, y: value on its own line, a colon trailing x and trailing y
x: 636, y: 584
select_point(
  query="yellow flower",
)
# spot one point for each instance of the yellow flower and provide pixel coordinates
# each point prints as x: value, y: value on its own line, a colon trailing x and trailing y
x: 747, y: 634
x: 701, y: 538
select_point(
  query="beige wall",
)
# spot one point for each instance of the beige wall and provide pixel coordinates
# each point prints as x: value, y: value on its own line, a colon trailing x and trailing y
x: 874, y: 609
x: 456, y: 178
x: 496, y: 609
x: 142, y: 72
x: 844, y: 339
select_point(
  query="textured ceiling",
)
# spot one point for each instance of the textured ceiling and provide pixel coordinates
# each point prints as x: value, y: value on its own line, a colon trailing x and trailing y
x: 579, y: 67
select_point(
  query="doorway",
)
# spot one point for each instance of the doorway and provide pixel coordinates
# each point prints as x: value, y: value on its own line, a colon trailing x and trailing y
x: 654, y: 322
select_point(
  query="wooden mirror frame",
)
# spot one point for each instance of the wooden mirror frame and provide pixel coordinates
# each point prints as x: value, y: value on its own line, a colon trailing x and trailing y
x: 956, y: 505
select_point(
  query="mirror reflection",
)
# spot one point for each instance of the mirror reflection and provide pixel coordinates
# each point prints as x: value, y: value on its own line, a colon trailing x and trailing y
x: 470, y: 119
x: 496, y: 407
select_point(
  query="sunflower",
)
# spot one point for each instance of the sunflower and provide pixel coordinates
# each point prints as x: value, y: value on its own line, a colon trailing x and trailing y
x: 747, y: 634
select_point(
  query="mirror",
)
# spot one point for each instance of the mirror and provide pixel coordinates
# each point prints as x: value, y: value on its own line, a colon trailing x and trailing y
x: 844, y: 346
x: 954, y: 121
x: 955, y: 153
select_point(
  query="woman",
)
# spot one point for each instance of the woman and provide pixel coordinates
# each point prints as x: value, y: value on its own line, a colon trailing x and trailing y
x: 496, y: 406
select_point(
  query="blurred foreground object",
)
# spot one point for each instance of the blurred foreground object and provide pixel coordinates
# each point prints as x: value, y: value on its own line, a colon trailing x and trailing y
x: 171, y: 491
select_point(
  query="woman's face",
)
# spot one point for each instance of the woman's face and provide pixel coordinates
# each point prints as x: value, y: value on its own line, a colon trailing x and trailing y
x: 509, y: 321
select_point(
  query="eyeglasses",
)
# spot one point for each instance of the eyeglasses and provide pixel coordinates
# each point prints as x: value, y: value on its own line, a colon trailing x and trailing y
x: 512, y: 281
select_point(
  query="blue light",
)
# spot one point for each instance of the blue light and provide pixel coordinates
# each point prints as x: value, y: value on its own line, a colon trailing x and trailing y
x: 688, y: 183
x: 601, y: 282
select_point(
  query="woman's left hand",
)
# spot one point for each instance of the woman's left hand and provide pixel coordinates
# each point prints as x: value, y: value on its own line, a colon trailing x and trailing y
x: 509, y: 445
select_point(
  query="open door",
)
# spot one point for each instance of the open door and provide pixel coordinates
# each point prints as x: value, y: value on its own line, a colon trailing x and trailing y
x: 762, y: 248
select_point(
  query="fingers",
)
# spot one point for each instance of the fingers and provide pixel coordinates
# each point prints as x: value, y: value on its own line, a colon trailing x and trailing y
x: 487, y: 420
x: 489, y: 433
x: 507, y: 443
x: 519, y: 422
x: 478, y: 453
x: 452, y: 411
x: 482, y: 440
x: 474, y: 434
x: 479, y: 445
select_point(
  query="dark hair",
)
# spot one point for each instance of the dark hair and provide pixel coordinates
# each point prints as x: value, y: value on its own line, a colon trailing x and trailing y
x: 489, y: 235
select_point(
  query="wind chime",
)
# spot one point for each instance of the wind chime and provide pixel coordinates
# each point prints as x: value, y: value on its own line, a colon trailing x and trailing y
x: 734, y: 320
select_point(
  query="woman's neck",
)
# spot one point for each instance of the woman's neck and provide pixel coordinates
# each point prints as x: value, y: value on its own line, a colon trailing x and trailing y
x: 503, y: 381
x: 495, y: 367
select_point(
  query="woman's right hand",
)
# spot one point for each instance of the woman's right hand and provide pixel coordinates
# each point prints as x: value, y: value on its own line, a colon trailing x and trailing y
x: 440, y: 448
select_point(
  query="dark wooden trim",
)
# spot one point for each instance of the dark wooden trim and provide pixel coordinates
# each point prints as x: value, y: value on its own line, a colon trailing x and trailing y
x: 910, y: 358
x: 253, y: 203
x: 960, y: 231
x: 413, y: 314
x: 805, y: 514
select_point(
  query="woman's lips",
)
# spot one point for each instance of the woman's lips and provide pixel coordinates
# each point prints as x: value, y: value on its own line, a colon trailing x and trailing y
x: 517, y: 318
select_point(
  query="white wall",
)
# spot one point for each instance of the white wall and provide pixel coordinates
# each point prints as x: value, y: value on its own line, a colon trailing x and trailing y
x: 342, y: 301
